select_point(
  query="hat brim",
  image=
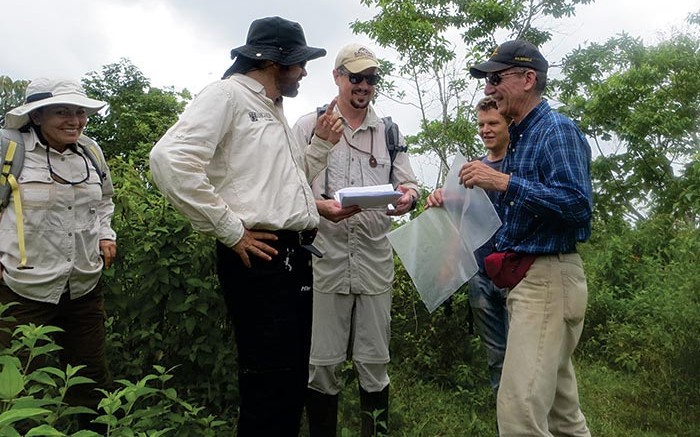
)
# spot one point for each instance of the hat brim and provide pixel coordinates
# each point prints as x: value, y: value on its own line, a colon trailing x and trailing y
x: 19, y: 116
x: 360, y: 65
x: 480, y: 71
x: 282, y: 57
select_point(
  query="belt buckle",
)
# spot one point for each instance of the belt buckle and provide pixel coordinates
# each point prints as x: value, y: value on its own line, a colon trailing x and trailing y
x: 306, y: 239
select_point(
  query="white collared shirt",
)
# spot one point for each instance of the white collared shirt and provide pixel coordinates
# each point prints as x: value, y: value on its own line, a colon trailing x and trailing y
x: 231, y: 162
x: 63, y: 225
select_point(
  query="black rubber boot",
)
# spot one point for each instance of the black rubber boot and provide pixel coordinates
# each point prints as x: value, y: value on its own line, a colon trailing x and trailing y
x: 374, y: 405
x: 321, y: 413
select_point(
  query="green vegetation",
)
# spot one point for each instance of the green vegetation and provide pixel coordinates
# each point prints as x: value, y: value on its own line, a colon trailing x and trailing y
x: 171, y: 347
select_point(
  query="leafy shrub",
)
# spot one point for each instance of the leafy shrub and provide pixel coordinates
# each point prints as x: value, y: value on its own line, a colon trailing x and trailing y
x: 32, y: 399
x: 643, y: 287
x: 163, y: 295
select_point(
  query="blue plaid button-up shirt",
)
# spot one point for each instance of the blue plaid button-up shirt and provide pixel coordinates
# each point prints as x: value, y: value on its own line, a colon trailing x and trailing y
x: 548, y: 204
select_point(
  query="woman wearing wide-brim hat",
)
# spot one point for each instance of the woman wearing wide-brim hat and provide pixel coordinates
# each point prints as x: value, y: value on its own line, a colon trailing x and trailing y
x: 52, y: 263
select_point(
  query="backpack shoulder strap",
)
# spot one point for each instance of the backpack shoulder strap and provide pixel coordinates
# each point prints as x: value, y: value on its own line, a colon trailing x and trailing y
x: 320, y: 110
x: 93, y: 153
x: 391, y: 131
x: 11, y: 162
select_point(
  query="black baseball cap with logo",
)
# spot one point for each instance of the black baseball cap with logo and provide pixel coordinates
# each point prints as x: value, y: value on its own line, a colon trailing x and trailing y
x: 516, y: 53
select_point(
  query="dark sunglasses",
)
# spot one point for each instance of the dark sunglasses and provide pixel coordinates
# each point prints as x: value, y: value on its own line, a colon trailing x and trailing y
x: 496, y: 78
x: 372, y: 79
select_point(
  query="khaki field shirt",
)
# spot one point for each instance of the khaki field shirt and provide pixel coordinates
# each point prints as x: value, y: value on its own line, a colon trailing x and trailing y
x: 357, y: 256
x: 63, y: 225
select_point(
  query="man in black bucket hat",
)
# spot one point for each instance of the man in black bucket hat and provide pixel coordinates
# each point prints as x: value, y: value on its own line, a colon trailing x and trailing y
x: 276, y: 40
x: 232, y: 166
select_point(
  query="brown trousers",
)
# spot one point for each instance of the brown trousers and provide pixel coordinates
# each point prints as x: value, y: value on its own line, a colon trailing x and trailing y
x: 83, y: 339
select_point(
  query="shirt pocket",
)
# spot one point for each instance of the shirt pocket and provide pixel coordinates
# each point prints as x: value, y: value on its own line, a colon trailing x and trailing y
x: 36, y: 187
x: 38, y: 195
x: 377, y: 175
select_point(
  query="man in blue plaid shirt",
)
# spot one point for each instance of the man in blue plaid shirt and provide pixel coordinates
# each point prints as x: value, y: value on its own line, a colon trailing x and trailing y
x: 545, y: 204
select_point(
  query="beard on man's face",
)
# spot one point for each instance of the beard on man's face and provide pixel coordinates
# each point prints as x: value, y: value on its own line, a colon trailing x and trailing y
x: 288, y: 82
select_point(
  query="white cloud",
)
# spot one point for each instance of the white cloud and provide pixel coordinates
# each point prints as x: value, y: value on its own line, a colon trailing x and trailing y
x: 166, y: 47
x: 186, y: 44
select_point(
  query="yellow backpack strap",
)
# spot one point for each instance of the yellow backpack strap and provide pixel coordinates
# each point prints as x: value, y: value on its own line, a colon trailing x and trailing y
x: 6, y: 177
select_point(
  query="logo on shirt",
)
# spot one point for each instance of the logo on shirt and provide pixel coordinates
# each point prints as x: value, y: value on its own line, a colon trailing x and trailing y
x: 257, y: 116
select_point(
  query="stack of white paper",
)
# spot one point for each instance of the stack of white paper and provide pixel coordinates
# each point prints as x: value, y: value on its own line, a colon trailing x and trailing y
x: 367, y: 197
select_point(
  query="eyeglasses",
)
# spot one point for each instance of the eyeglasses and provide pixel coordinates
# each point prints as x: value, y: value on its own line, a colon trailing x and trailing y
x: 496, y: 78
x: 60, y: 179
x: 372, y: 79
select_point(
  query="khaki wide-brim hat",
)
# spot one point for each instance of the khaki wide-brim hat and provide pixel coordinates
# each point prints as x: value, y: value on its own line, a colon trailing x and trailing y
x: 43, y: 92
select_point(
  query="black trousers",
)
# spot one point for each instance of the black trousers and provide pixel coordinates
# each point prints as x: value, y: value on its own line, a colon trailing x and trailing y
x: 270, y: 306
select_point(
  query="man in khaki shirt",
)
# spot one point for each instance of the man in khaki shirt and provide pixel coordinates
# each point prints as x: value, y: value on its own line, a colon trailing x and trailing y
x: 352, y: 282
x: 232, y: 166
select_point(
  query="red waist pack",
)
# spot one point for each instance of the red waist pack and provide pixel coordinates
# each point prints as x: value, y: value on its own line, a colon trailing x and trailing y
x: 507, y: 269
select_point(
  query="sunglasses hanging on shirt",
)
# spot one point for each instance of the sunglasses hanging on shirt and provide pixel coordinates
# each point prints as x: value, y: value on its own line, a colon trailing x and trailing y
x: 372, y: 159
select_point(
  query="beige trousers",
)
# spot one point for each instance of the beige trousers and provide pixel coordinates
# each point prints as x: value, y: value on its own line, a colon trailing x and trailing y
x: 538, y: 395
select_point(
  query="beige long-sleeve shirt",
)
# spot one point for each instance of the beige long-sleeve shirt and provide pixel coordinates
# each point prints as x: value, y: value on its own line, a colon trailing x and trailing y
x: 357, y: 255
x: 63, y: 224
x: 232, y: 163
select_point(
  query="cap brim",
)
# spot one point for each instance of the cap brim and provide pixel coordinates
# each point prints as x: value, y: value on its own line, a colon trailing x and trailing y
x: 480, y: 71
x: 19, y: 116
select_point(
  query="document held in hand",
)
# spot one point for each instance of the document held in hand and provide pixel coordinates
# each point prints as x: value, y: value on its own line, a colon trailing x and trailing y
x: 374, y: 196
x: 437, y: 247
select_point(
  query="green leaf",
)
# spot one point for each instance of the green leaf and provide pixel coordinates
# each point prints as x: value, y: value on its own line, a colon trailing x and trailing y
x: 78, y: 410
x: 14, y: 415
x: 76, y: 380
x: 11, y: 382
x: 44, y: 430
x: 42, y: 378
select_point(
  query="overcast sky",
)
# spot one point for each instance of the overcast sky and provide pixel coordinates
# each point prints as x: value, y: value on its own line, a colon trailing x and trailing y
x: 186, y: 44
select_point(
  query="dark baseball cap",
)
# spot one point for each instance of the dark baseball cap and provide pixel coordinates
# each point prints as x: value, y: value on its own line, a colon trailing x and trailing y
x: 516, y: 53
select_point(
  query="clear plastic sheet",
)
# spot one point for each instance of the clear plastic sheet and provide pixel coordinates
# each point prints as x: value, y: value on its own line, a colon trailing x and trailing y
x: 437, y: 247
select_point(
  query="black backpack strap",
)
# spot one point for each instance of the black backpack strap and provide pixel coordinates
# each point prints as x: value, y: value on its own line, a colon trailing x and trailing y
x: 319, y: 112
x: 391, y: 131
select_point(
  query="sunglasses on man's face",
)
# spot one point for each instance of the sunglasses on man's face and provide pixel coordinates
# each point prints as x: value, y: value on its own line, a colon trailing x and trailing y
x: 372, y: 79
x: 496, y: 78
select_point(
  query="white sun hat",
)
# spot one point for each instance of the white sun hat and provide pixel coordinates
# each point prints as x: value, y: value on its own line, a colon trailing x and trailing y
x: 44, y: 92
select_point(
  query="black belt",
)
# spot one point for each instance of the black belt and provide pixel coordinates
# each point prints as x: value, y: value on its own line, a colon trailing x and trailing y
x: 304, y: 239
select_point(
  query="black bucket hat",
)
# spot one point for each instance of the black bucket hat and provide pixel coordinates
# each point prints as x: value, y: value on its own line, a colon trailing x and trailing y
x: 516, y: 53
x: 278, y: 40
